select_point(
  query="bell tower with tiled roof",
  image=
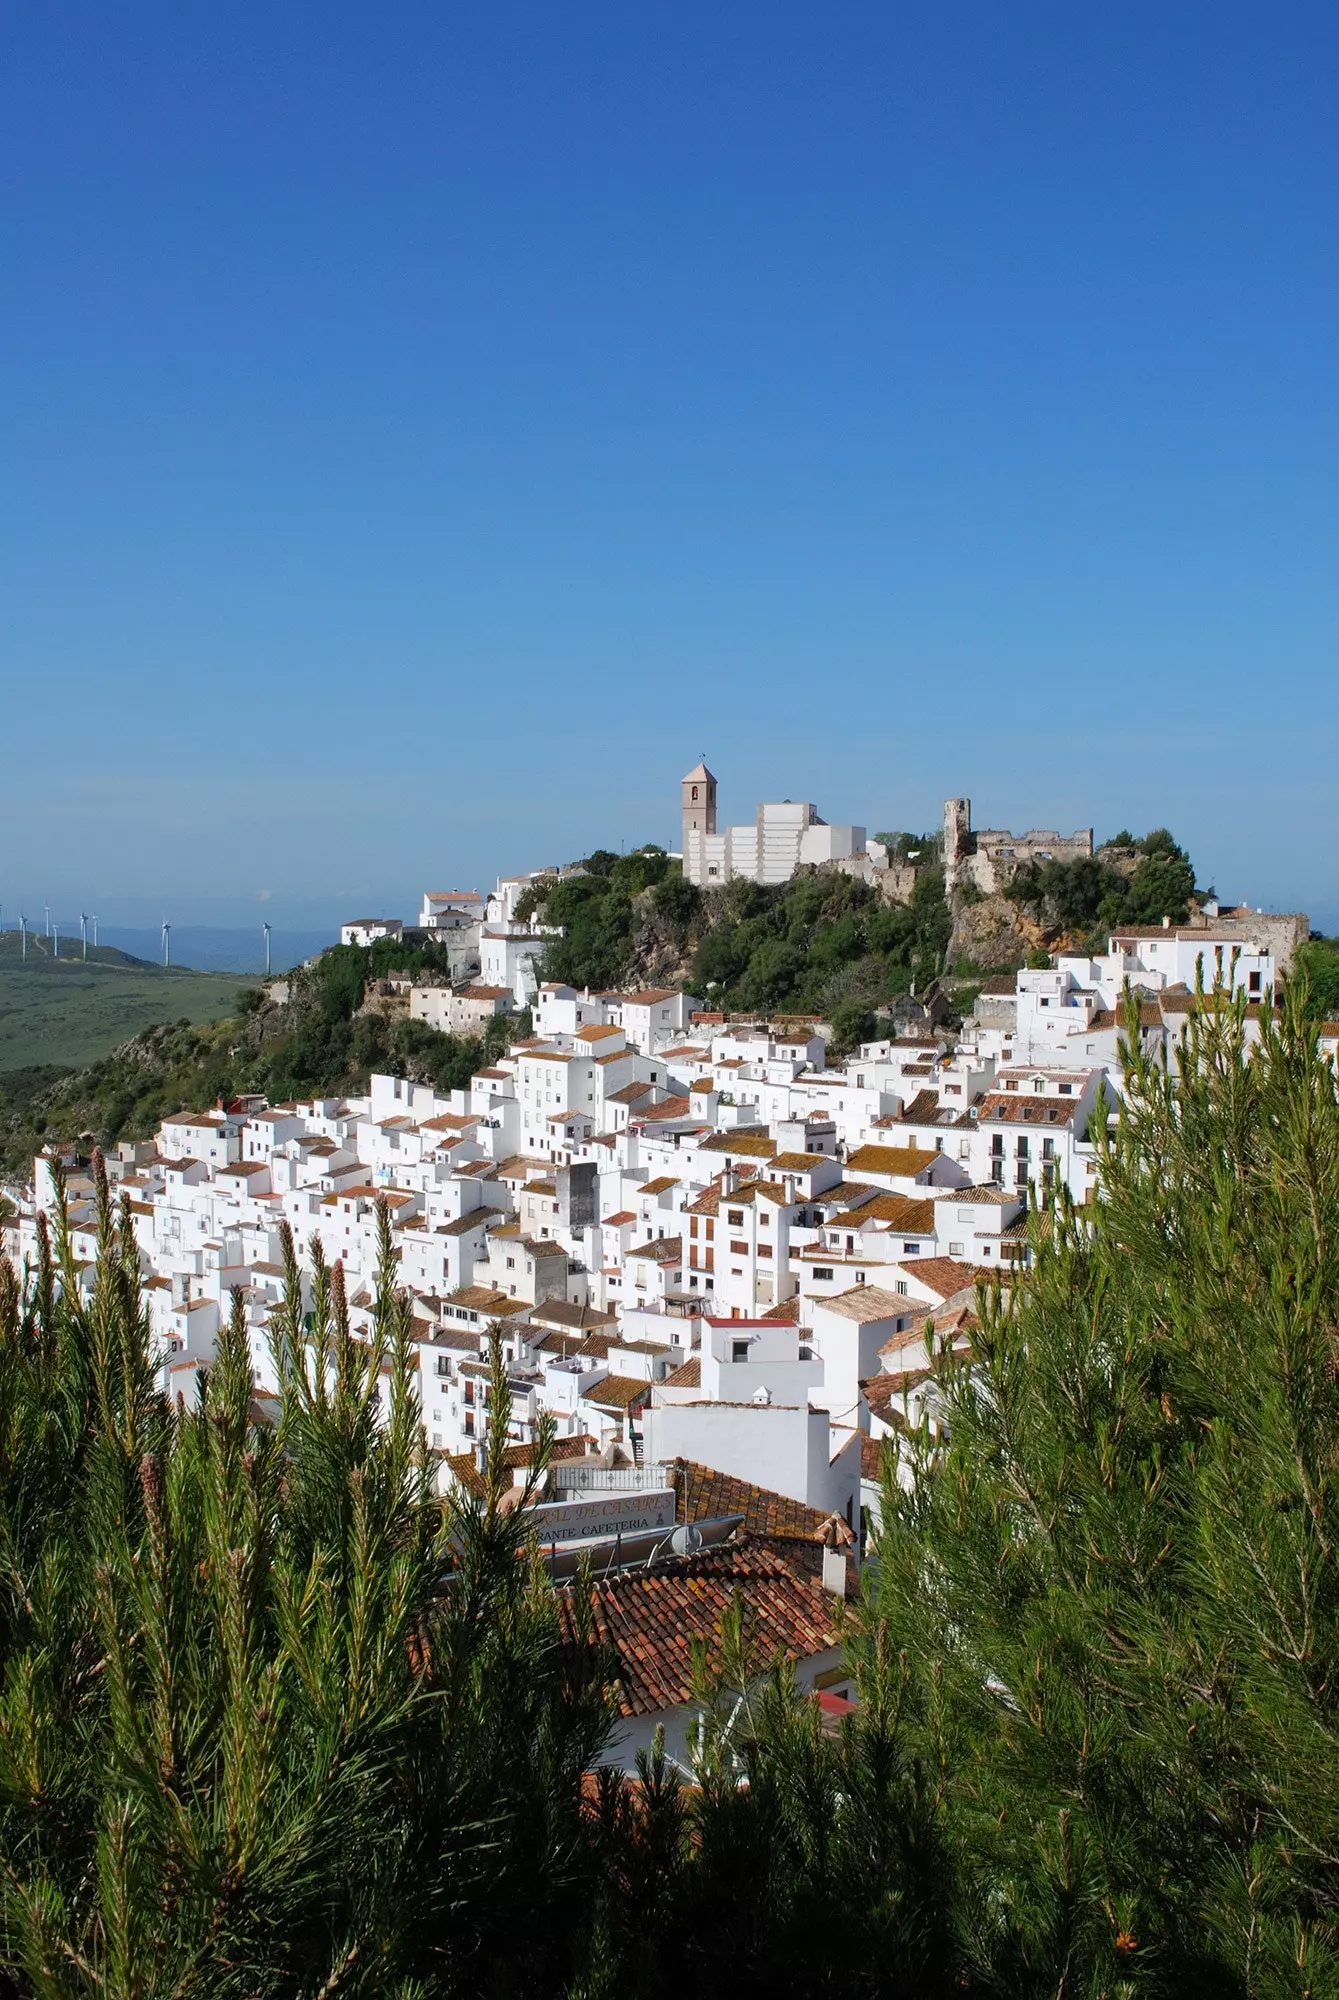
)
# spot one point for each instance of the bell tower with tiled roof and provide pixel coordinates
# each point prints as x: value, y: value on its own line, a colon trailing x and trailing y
x: 699, y: 804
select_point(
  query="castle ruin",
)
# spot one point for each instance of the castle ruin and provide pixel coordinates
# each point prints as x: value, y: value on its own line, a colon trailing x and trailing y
x: 991, y: 858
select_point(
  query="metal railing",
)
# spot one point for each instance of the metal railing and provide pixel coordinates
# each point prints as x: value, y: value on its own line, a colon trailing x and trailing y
x: 578, y: 1475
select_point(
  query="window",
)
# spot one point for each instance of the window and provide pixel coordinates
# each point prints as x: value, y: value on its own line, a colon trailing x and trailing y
x: 823, y: 1274
x: 860, y: 1277
x: 443, y: 1364
x: 739, y: 1249
x: 735, y: 1217
x: 901, y: 1286
x: 955, y: 1250
x: 911, y: 1249
x: 739, y: 1350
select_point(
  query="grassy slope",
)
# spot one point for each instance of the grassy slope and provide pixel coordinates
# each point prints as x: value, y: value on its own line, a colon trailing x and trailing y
x: 66, y: 1013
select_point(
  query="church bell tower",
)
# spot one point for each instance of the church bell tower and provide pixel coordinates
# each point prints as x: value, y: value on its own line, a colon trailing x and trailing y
x: 699, y: 803
x: 699, y: 820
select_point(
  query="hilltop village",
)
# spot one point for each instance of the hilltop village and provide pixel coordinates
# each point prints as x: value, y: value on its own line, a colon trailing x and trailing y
x: 710, y: 1251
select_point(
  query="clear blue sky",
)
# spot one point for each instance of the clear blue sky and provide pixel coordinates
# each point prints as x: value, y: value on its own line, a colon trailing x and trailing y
x: 428, y: 428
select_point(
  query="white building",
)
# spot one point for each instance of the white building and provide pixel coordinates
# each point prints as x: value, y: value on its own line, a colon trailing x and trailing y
x: 782, y: 837
x: 366, y: 930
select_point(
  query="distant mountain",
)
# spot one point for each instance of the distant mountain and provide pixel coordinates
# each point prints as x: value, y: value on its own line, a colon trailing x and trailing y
x: 210, y: 949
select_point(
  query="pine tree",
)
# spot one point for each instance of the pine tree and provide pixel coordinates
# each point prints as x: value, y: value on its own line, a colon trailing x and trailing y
x: 1112, y: 1578
x: 273, y: 1720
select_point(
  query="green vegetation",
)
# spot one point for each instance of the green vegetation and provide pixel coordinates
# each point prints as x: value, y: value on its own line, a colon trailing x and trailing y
x: 820, y: 943
x: 319, y: 1041
x: 1156, y: 881
x: 63, y: 1012
x: 595, y: 911
x: 276, y: 1722
x: 1318, y: 959
x: 273, y: 1721
x: 1114, y: 1583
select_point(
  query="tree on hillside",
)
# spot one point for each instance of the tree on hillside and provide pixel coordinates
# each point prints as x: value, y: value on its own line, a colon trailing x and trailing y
x: 1079, y: 895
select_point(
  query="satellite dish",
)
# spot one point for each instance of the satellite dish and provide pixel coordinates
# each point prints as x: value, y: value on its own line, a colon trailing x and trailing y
x: 686, y: 1541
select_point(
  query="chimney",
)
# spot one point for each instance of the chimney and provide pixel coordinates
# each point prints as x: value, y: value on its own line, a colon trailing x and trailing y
x: 834, y: 1571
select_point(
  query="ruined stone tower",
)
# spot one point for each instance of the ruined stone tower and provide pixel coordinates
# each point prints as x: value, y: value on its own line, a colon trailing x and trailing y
x: 958, y: 842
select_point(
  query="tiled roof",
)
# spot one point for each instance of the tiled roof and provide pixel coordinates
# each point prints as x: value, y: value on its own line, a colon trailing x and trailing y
x: 462, y: 1225
x: 755, y: 1144
x: 618, y: 1392
x: 665, y: 1250
x: 704, y: 1494
x: 631, y: 1093
x: 483, y: 1299
x: 986, y: 1197
x: 516, y: 1456
x: 1008, y: 1107
x: 865, y: 1302
x: 650, y: 1618
x: 922, y: 1109
x: 889, y: 1159
x: 945, y: 1275
x: 570, y: 1317
x: 689, y: 1376
x: 899, y: 1211
x: 787, y: 1313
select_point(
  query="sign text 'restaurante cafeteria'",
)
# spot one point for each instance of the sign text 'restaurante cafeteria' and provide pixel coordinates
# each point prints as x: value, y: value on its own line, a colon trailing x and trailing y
x: 611, y: 1514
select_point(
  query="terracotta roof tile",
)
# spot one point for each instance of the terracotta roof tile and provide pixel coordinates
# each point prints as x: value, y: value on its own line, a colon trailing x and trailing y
x: 649, y: 1618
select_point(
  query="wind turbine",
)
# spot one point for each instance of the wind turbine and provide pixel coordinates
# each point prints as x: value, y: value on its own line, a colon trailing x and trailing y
x: 47, y: 908
x: 23, y: 935
x: 266, y: 929
x: 55, y: 939
x: 94, y: 921
x: 167, y: 942
x: 83, y: 932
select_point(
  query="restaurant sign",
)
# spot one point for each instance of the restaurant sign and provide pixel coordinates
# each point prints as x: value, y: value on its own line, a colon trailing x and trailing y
x: 601, y: 1518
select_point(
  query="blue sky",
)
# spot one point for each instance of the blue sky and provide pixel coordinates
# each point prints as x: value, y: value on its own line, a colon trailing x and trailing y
x: 429, y: 428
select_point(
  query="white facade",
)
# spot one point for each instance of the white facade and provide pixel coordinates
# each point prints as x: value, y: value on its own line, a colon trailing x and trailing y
x: 782, y: 837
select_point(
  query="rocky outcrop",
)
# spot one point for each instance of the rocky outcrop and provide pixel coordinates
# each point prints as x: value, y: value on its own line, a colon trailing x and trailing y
x: 993, y: 934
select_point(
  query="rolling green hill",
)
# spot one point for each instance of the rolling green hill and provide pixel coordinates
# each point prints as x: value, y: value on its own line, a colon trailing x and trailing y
x: 65, y: 1012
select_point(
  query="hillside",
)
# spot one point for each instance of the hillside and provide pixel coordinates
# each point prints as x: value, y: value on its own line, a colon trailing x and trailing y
x: 67, y: 1012
x: 824, y: 943
x: 323, y: 1039
x: 827, y: 943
